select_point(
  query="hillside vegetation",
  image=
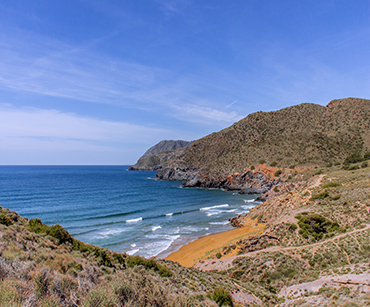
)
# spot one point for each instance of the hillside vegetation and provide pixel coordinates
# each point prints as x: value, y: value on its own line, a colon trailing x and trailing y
x: 315, y: 248
x: 305, y: 134
x: 43, y: 265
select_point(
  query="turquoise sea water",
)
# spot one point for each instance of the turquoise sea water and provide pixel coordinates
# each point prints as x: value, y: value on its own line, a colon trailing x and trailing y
x: 126, y: 211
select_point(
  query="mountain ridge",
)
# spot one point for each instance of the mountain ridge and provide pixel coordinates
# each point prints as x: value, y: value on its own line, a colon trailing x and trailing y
x: 297, y: 137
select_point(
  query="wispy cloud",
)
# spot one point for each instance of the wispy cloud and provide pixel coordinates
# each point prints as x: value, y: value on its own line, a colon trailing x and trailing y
x: 63, y: 71
x: 51, y: 132
x: 205, y: 115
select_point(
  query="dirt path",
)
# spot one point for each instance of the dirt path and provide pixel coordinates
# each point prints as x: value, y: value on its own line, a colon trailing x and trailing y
x: 227, y: 263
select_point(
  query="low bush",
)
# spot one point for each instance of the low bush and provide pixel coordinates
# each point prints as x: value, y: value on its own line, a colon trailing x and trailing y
x: 315, y: 225
x: 99, y: 297
x: 5, y: 220
x: 336, y: 197
x: 56, y: 231
x: 252, y: 167
x: 273, y: 163
x: 103, y: 257
x: 364, y: 164
x: 353, y: 158
x: 353, y: 168
x: 148, y: 265
x: 278, y: 173
x: 222, y: 297
x: 331, y: 185
x: 293, y: 227
x: 321, y: 195
x: 262, y: 161
x: 59, y: 233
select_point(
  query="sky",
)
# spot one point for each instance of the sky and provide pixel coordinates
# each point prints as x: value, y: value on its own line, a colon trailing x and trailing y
x: 89, y: 82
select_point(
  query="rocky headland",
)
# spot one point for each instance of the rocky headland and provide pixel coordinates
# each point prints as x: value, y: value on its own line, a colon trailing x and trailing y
x: 160, y: 155
x: 260, y: 152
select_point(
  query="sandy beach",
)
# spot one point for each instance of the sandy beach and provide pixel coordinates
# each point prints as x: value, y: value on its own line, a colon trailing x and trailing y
x: 206, y: 247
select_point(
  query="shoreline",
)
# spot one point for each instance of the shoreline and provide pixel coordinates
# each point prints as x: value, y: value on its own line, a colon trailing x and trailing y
x: 208, y: 246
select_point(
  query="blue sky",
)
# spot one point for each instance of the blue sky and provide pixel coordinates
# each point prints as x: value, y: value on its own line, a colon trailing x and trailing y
x: 99, y: 82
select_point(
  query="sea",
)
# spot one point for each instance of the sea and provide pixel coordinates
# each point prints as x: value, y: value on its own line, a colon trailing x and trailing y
x: 125, y: 211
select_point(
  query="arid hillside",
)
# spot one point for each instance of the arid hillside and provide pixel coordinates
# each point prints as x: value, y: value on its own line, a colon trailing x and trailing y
x: 305, y: 134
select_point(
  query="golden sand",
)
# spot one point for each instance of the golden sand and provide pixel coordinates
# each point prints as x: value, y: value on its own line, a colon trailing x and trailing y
x: 206, y: 247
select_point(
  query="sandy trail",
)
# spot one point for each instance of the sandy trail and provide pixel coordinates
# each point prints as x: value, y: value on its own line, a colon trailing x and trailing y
x: 227, y: 263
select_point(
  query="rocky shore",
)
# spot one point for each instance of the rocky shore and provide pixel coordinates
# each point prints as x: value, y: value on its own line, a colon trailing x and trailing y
x: 261, y: 181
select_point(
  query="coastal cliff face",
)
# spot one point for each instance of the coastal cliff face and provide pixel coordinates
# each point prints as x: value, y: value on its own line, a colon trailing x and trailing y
x: 286, y: 141
x: 160, y: 155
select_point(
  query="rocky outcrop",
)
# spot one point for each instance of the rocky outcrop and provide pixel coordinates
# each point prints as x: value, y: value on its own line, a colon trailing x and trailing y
x: 250, y: 182
x: 281, y: 189
x: 177, y: 174
x: 160, y: 155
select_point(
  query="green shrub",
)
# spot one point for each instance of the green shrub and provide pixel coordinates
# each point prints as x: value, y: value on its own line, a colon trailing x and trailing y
x: 82, y: 247
x: 336, y: 163
x: 364, y: 164
x: 276, y: 275
x: 278, y: 173
x: 99, y: 297
x: 103, y: 257
x: 252, y: 167
x: 329, y: 164
x: 315, y: 225
x: 289, y: 273
x: 5, y: 220
x: 120, y: 259
x: 366, y: 156
x: 321, y: 195
x: 293, y: 227
x: 218, y: 255
x: 36, y: 226
x: 331, y: 185
x: 292, y: 167
x: 262, y: 161
x: 353, y: 158
x: 336, y: 197
x: 59, y: 233
x: 148, y: 265
x: 353, y: 168
x: 273, y: 163
x: 276, y: 189
x: 222, y: 297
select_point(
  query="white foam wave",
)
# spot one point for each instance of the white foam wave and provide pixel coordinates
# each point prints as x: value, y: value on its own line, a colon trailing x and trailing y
x: 190, y: 229
x: 108, y: 232
x: 220, y: 211
x: 249, y: 200
x: 155, y: 248
x: 156, y: 227
x: 214, y: 207
x: 169, y: 214
x: 220, y: 223
x: 132, y: 252
x: 134, y: 220
x: 247, y: 207
x: 133, y: 245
